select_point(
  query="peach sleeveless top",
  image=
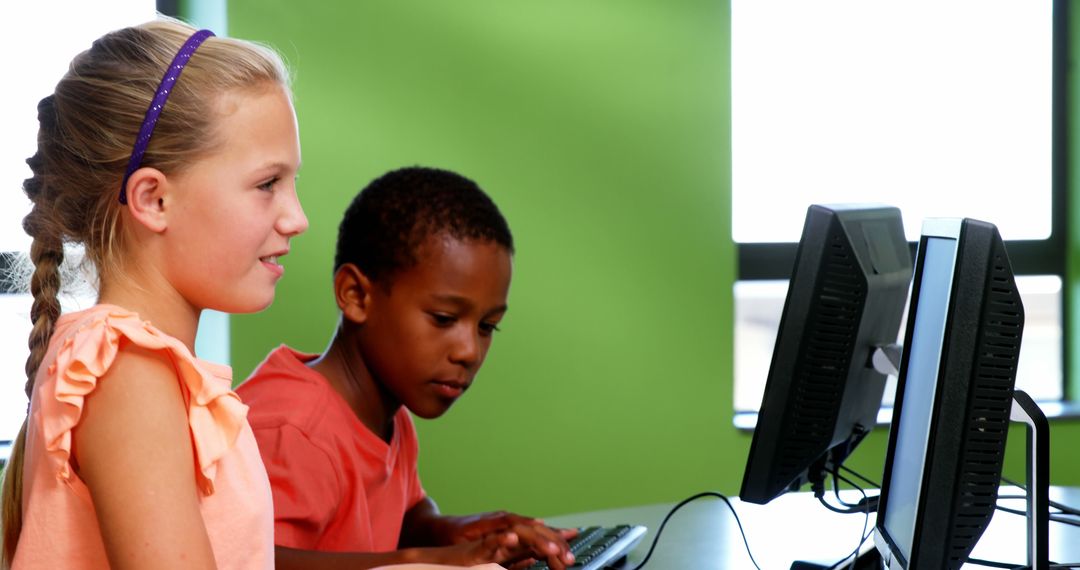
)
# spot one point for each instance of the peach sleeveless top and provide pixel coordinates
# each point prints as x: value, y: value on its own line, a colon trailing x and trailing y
x: 60, y: 528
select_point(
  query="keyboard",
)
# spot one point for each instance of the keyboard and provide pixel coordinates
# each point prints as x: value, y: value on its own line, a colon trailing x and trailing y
x: 598, y: 547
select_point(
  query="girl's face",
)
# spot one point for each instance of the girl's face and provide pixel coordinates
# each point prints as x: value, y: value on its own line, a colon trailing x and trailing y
x: 232, y: 213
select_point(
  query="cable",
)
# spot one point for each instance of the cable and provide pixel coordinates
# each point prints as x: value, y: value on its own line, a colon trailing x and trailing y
x: 684, y: 502
x: 1063, y: 508
x: 1058, y: 518
x: 861, y: 478
x: 1024, y: 498
x: 866, y: 502
x: 1054, y: 515
x: 992, y: 564
x: 864, y: 507
x: 863, y: 534
x: 836, y: 492
x: 871, y: 501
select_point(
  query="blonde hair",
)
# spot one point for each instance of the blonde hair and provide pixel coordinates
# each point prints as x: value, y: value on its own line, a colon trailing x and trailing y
x: 87, y: 129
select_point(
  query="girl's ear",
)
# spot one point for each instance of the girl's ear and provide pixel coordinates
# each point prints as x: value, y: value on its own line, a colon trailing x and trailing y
x: 146, y: 198
x: 352, y: 291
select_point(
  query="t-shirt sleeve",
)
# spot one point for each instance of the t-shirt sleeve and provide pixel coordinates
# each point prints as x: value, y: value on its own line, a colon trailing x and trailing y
x: 416, y: 490
x: 305, y: 484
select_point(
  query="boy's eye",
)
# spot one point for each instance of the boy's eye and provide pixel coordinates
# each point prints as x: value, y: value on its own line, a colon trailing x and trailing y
x: 487, y: 329
x: 269, y: 184
x: 442, y: 319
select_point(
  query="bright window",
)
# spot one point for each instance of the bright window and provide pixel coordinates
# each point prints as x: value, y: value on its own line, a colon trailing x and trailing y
x: 36, y: 50
x: 943, y: 108
x: 939, y: 107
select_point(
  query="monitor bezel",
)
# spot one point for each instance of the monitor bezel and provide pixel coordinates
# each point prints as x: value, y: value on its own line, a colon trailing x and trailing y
x: 933, y: 228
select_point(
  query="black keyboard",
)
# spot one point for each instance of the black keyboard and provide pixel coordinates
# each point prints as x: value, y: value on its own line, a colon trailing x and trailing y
x: 597, y: 547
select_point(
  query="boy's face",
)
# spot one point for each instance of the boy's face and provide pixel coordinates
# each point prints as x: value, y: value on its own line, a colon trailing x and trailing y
x: 426, y: 335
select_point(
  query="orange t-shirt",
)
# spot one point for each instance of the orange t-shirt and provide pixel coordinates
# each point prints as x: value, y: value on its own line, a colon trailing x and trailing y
x: 60, y: 528
x: 337, y: 486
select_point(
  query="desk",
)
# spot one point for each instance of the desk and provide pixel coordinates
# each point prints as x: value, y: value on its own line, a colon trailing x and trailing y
x: 703, y: 535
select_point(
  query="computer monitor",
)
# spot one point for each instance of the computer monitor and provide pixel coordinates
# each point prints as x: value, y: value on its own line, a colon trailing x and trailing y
x: 845, y: 302
x: 953, y: 398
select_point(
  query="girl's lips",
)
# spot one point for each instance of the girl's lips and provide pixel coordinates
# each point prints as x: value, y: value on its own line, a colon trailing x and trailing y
x: 271, y: 262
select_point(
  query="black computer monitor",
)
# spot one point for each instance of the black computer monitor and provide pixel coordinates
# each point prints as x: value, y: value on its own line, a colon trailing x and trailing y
x: 953, y: 398
x: 845, y: 301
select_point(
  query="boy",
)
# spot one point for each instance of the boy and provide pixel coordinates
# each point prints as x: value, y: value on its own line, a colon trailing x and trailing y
x: 421, y: 276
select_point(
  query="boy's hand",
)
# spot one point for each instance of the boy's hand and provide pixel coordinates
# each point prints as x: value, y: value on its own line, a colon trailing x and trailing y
x: 517, y: 547
x: 533, y: 539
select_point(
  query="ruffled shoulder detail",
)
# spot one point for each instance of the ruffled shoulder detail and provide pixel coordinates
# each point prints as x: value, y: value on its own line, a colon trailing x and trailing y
x: 87, y: 350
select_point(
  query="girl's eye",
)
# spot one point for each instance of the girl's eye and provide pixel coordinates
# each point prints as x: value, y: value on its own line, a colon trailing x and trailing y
x: 269, y: 184
x: 487, y: 329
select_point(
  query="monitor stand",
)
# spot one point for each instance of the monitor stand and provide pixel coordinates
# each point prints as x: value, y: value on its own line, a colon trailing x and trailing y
x: 1024, y: 410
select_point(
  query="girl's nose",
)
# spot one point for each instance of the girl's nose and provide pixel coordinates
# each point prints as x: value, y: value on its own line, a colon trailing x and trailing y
x: 292, y: 221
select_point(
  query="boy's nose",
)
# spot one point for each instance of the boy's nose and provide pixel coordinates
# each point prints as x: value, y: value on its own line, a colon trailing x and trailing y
x: 467, y: 351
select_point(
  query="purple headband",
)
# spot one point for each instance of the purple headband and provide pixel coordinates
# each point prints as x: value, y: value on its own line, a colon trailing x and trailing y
x: 158, y: 103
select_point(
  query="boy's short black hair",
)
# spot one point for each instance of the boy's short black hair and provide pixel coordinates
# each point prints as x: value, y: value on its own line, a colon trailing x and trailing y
x: 393, y: 215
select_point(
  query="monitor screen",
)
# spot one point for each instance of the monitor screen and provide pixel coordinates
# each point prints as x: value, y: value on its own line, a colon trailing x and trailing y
x: 954, y: 393
x: 845, y: 301
x: 924, y: 356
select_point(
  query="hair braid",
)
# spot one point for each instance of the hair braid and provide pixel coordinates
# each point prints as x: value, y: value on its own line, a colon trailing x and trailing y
x: 45, y: 288
x: 46, y: 253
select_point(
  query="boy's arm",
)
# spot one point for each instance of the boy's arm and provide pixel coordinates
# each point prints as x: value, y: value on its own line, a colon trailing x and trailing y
x: 499, y: 547
x: 290, y: 558
x: 425, y: 526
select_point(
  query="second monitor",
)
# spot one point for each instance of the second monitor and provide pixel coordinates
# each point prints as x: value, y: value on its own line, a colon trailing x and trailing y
x: 845, y: 302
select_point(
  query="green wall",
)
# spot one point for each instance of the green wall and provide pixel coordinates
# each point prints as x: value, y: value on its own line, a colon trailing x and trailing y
x: 602, y: 131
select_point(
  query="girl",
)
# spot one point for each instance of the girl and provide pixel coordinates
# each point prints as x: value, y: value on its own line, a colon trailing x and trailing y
x: 171, y: 156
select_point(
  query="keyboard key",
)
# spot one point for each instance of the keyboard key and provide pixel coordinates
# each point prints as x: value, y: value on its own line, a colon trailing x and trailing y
x: 596, y: 547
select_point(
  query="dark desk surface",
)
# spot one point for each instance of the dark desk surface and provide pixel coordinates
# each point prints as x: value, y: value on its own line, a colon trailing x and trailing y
x: 703, y: 535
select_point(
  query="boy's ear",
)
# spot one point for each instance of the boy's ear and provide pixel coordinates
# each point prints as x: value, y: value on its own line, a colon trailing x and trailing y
x: 146, y: 198
x: 352, y: 291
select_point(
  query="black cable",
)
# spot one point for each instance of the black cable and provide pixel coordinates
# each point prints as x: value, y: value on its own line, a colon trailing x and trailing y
x: 866, y: 500
x: 861, y: 478
x: 1058, y: 518
x: 684, y: 502
x: 1024, y: 498
x: 865, y: 503
x: 1063, y: 507
x: 1062, y: 520
x: 866, y: 521
x: 835, y: 509
x: 836, y: 492
x: 992, y: 564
